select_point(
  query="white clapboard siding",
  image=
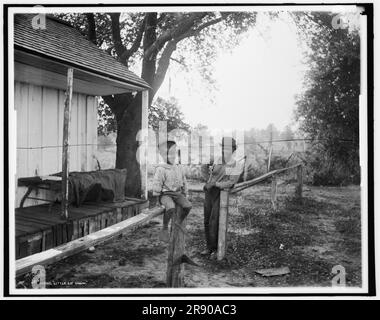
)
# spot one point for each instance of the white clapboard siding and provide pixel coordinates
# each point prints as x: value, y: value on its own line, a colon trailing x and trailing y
x: 82, y: 133
x: 49, y: 131
x: 21, y: 107
x: 35, y: 136
x: 91, y: 109
x: 61, y: 108
x: 73, y: 135
x: 39, y: 133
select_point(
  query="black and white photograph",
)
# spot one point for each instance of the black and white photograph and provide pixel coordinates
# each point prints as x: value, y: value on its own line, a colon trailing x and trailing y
x: 188, y: 149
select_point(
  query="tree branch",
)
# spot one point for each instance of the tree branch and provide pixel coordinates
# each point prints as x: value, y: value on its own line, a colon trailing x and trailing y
x: 136, y: 44
x: 163, y: 65
x: 164, y: 61
x: 149, y: 62
x: 91, y: 27
x: 191, y: 33
x: 121, y: 51
x: 179, y: 62
x: 183, y: 27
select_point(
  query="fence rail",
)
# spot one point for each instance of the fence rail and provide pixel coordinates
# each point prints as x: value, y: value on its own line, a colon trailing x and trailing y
x: 224, y: 201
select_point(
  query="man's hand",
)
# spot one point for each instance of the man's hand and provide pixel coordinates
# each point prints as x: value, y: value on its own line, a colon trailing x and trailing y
x: 209, y: 185
x: 225, y: 185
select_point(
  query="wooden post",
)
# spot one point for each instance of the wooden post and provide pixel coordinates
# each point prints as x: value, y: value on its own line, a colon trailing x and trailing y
x: 174, y: 273
x: 143, y: 156
x: 200, y: 149
x: 212, y: 150
x: 65, y: 145
x: 223, y: 221
x: 273, y: 194
x: 299, y: 181
x: 269, y: 157
x: 270, y: 148
x: 189, y: 150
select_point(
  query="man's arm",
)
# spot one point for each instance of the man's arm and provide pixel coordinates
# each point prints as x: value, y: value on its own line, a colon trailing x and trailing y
x: 205, y: 172
x: 232, y: 176
x: 185, y: 185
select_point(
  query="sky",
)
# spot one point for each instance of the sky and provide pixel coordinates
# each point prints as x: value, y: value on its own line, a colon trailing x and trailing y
x: 257, y: 81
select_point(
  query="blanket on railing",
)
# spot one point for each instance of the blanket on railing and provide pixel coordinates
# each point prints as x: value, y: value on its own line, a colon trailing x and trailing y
x: 95, y: 186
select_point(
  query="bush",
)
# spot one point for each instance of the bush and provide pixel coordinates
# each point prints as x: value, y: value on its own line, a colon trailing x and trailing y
x: 278, y: 162
x: 329, y: 177
x: 323, y: 171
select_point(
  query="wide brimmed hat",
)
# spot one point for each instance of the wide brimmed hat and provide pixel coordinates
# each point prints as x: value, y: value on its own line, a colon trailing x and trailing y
x: 229, y: 141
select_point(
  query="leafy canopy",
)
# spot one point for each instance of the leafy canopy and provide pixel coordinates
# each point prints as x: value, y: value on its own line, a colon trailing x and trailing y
x: 328, y: 110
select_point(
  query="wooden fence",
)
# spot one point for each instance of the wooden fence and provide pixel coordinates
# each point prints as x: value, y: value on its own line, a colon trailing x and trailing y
x: 224, y: 200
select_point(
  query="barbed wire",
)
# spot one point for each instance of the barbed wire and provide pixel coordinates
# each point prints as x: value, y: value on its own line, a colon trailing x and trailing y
x: 202, y: 145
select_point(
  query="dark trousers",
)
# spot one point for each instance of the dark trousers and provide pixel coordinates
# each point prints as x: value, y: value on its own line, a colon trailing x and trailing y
x: 211, y: 217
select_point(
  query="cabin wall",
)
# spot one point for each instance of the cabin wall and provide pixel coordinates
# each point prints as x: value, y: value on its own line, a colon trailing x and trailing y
x: 39, y: 133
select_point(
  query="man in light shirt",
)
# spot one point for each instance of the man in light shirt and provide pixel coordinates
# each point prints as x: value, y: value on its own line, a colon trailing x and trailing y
x: 223, y: 174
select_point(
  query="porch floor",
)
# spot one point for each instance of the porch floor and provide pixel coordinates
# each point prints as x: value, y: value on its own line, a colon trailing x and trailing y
x: 39, y: 229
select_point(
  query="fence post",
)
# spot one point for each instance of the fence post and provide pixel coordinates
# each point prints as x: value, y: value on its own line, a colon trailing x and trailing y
x: 174, y: 273
x: 299, y: 181
x: 65, y: 144
x: 223, y: 221
x: 273, y: 193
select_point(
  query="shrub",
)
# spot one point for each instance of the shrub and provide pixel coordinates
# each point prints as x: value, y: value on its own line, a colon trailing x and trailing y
x: 323, y: 171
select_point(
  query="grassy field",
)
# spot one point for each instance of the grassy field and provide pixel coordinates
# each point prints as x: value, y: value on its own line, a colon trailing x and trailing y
x: 309, y: 236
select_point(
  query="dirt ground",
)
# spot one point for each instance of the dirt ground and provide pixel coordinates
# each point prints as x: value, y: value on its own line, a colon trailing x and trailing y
x: 309, y: 237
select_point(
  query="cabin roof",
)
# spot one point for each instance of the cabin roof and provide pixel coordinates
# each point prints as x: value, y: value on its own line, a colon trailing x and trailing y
x: 61, y: 43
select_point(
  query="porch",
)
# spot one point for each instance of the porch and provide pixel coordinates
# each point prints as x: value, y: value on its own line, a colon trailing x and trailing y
x: 40, y: 227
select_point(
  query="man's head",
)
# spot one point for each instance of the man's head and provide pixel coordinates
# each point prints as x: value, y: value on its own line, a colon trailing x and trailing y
x: 228, y: 148
x: 168, y: 151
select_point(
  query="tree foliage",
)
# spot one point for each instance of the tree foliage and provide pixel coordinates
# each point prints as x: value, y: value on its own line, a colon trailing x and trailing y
x: 148, y: 41
x: 169, y: 111
x: 153, y: 40
x: 328, y: 110
x: 160, y: 110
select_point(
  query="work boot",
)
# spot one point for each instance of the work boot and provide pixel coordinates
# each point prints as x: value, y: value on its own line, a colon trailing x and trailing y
x: 213, y: 255
x: 206, y: 252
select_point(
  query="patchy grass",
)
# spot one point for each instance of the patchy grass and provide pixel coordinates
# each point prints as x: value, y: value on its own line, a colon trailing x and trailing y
x: 308, y: 236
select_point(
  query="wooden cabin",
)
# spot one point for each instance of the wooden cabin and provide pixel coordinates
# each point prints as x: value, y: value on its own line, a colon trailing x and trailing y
x: 42, y: 57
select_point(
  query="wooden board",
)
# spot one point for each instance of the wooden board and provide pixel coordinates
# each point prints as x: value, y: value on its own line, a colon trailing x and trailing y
x: 271, y: 272
x: 176, y: 250
x: 223, y: 224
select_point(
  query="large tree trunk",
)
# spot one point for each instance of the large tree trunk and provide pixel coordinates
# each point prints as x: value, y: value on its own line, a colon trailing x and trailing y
x: 128, y: 113
x: 127, y: 146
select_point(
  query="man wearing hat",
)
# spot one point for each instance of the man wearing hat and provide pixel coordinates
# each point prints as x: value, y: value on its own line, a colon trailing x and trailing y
x: 223, y: 174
